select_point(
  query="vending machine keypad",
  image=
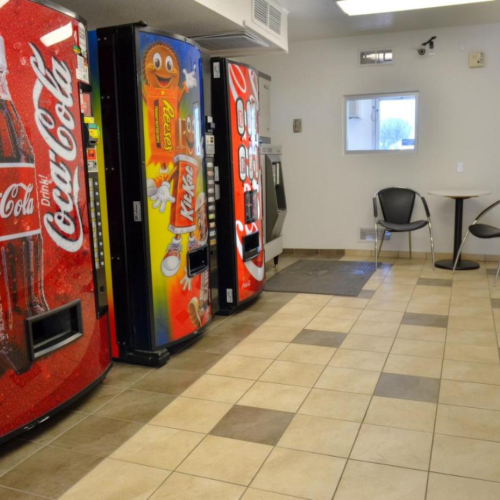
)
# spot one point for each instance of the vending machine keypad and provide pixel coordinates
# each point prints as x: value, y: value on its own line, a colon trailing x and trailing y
x: 92, y: 135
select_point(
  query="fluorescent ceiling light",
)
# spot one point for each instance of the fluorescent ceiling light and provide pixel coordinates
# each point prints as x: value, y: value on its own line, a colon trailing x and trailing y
x: 363, y: 7
x: 58, y: 35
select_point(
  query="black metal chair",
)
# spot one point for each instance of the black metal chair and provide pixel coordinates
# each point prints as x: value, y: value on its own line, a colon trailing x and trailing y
x: 483, y: 231
x: 397, y: 207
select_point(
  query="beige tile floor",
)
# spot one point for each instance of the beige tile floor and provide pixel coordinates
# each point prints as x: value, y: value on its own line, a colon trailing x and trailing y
x: 389, y: 396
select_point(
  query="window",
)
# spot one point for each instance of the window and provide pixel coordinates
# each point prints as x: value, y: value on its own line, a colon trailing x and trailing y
x: 381, y: 123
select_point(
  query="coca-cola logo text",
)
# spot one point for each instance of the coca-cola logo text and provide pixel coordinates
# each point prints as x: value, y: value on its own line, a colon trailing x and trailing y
x: 65, y: 225
x: 16, y: 200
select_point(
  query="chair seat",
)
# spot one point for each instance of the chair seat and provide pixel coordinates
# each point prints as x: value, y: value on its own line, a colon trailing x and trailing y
x: 403, y: 228
x: 484, y: 231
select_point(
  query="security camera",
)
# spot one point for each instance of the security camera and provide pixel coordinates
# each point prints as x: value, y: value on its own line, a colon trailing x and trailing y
x: 422, y: 50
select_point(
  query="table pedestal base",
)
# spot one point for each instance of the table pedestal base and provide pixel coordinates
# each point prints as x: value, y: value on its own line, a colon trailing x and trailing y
x: 463, y: 265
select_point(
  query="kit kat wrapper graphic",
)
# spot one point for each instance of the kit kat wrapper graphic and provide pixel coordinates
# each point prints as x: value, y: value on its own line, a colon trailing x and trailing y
x: 170, y: 162
x: 185, y: 180
x: 163, y: 116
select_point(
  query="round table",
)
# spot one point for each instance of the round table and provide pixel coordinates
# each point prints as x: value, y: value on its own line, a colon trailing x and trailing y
x: 459, y: 195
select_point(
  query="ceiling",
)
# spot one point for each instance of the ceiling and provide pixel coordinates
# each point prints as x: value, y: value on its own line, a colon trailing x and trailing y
x: 308, y: 19
x: 315, y: 19
x: 185, y: 17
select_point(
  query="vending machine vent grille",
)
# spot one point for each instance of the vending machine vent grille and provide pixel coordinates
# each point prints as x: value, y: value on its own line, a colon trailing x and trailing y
x: 230, y: 41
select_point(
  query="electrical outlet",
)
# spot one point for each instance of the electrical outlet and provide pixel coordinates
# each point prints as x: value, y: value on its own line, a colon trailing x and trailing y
x: 460, y: 167
x: 476, y: 60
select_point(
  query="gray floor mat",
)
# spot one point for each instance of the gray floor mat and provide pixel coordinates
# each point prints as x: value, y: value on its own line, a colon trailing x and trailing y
x: 322, y: 276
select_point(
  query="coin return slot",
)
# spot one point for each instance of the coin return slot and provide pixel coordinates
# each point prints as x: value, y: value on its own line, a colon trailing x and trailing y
x: 251, y: 246
x: 51, y: 331
x: 197, y: 261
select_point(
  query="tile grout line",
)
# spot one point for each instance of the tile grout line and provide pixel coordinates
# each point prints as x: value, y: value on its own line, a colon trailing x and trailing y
x: 367, y: 409
x: 437, y: 404
x: 207, y: 434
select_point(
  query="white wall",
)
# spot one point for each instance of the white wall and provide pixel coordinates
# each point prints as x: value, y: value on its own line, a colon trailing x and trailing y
x: 329, y: 194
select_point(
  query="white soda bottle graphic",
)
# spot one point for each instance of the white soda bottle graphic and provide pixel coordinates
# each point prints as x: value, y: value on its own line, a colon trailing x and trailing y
x: 21, y: 246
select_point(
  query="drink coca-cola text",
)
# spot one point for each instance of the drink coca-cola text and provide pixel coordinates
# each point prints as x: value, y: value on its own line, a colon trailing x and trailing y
x: 65, y: 225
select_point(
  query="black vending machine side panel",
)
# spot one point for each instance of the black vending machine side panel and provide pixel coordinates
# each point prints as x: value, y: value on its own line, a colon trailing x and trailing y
x: 226, y: 252
x: 120, y: 116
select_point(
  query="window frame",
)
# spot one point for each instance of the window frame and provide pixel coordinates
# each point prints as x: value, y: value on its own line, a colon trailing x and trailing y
x: 378, y: 96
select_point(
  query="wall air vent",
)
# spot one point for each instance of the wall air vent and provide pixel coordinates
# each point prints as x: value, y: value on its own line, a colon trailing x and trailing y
x: 268, y: 15
x: 261, y: 11
x: 373, y: 57
x: 230, y: 41
x: 368, y: 234
x: 275, y: 20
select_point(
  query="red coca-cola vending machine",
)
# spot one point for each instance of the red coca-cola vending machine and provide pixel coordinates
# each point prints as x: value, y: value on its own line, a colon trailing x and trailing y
x: 238, y: 183
x: 54, y: 343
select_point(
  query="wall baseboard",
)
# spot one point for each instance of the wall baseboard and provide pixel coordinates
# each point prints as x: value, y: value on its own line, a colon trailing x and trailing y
x: 388, y: 254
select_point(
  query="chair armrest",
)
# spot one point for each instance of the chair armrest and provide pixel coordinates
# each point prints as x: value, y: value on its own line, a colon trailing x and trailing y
x: 485, y: 211
x: 375, y: 208
x: 426, y: 207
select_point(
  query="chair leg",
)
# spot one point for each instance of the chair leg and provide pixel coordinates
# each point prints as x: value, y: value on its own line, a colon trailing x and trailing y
x: 376, y: 246
x: 496, y: 275
x: 409, y: 242
x: 432, y: 246
x: 460, y: 251
x: 381, y: 244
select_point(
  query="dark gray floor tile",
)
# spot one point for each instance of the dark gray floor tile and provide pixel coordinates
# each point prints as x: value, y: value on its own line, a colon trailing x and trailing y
x: 8, y: 494
x: 316, y: 337
x: 433, y: 282
x: 14, y: 452
x: 216, y: 344
x: 137, y: 406
x: 253, y: 424
x: 194, y: 361
x: 391, y: 385
x: 124, y: 375
x: 366, y: 294
x: 435, y: 320
x: 232, y: 330
x: 165, y: 381
x: 96, y: 398
x: 50, y: 472
x: 53, y: 427
x: 97, y: 435
x: 245, y: 317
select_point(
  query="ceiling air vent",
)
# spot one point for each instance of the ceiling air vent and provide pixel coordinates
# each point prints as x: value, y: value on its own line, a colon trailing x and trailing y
x: 260, y: 11
x: 229, y: 41
x: 275, y: 20
x: 268, y: 15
